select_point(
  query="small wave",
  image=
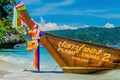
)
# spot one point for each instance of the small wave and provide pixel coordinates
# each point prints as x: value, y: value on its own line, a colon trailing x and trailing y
x: 13, y: 50
x: 16, y: 60
x: 20, y: 46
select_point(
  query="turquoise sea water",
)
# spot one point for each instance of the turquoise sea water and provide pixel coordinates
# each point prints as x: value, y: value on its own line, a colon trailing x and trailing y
x: 22, y: 56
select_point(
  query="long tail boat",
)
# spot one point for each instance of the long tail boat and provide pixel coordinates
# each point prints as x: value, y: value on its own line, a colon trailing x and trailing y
x: 75, y: 56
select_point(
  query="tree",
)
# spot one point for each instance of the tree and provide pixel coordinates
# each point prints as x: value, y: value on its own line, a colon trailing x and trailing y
x: 6, y: 12
x: 6, y: 8
x: 2, y: 29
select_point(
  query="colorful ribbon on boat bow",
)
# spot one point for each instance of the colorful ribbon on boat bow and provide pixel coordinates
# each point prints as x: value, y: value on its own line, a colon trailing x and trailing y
x: 20, y: 18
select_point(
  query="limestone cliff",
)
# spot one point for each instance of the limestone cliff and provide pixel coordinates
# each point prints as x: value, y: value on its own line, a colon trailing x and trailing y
x: 10, y: 39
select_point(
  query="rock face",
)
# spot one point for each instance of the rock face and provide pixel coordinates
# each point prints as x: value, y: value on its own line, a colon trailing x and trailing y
x: 9, y: 40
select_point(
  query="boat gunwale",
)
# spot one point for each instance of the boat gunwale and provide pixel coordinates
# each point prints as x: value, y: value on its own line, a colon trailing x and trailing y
x: 94, y: 44
x: 65, y: 67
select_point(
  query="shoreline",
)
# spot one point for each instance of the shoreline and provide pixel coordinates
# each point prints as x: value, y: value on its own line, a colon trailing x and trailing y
x: 2, y: 73
x: 11, y: 71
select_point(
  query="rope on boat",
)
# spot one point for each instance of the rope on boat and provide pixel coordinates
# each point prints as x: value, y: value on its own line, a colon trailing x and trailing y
x: 55, y: 68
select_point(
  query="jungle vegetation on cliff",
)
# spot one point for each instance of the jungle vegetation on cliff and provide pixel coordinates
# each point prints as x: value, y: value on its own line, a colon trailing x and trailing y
x: 105, y: 36
x: 6, y: 12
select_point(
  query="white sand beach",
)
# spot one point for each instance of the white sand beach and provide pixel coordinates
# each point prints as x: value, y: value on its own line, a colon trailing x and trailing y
x: 10, y: 71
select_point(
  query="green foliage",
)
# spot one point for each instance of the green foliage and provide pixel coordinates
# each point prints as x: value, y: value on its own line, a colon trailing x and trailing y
x: 23, y: 31
x: 2, y: 29
x: 6, y: 12
x: 6, y: 8
x: 105, y: 36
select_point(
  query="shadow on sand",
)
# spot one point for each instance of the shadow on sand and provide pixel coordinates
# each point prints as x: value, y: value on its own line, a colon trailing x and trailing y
x: 96, y: 73
x: 33, y: 71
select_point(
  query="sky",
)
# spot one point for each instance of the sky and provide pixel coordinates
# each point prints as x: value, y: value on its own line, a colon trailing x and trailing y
x: 75, y: 13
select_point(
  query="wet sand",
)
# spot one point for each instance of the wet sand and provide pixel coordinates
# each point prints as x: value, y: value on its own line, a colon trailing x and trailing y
x: 10, y: 71
x: 2, y: 73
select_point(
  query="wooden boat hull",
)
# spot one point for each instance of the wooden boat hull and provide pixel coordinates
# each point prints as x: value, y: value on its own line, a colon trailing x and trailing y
x: 74, y: 56
x: 84, y: 70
